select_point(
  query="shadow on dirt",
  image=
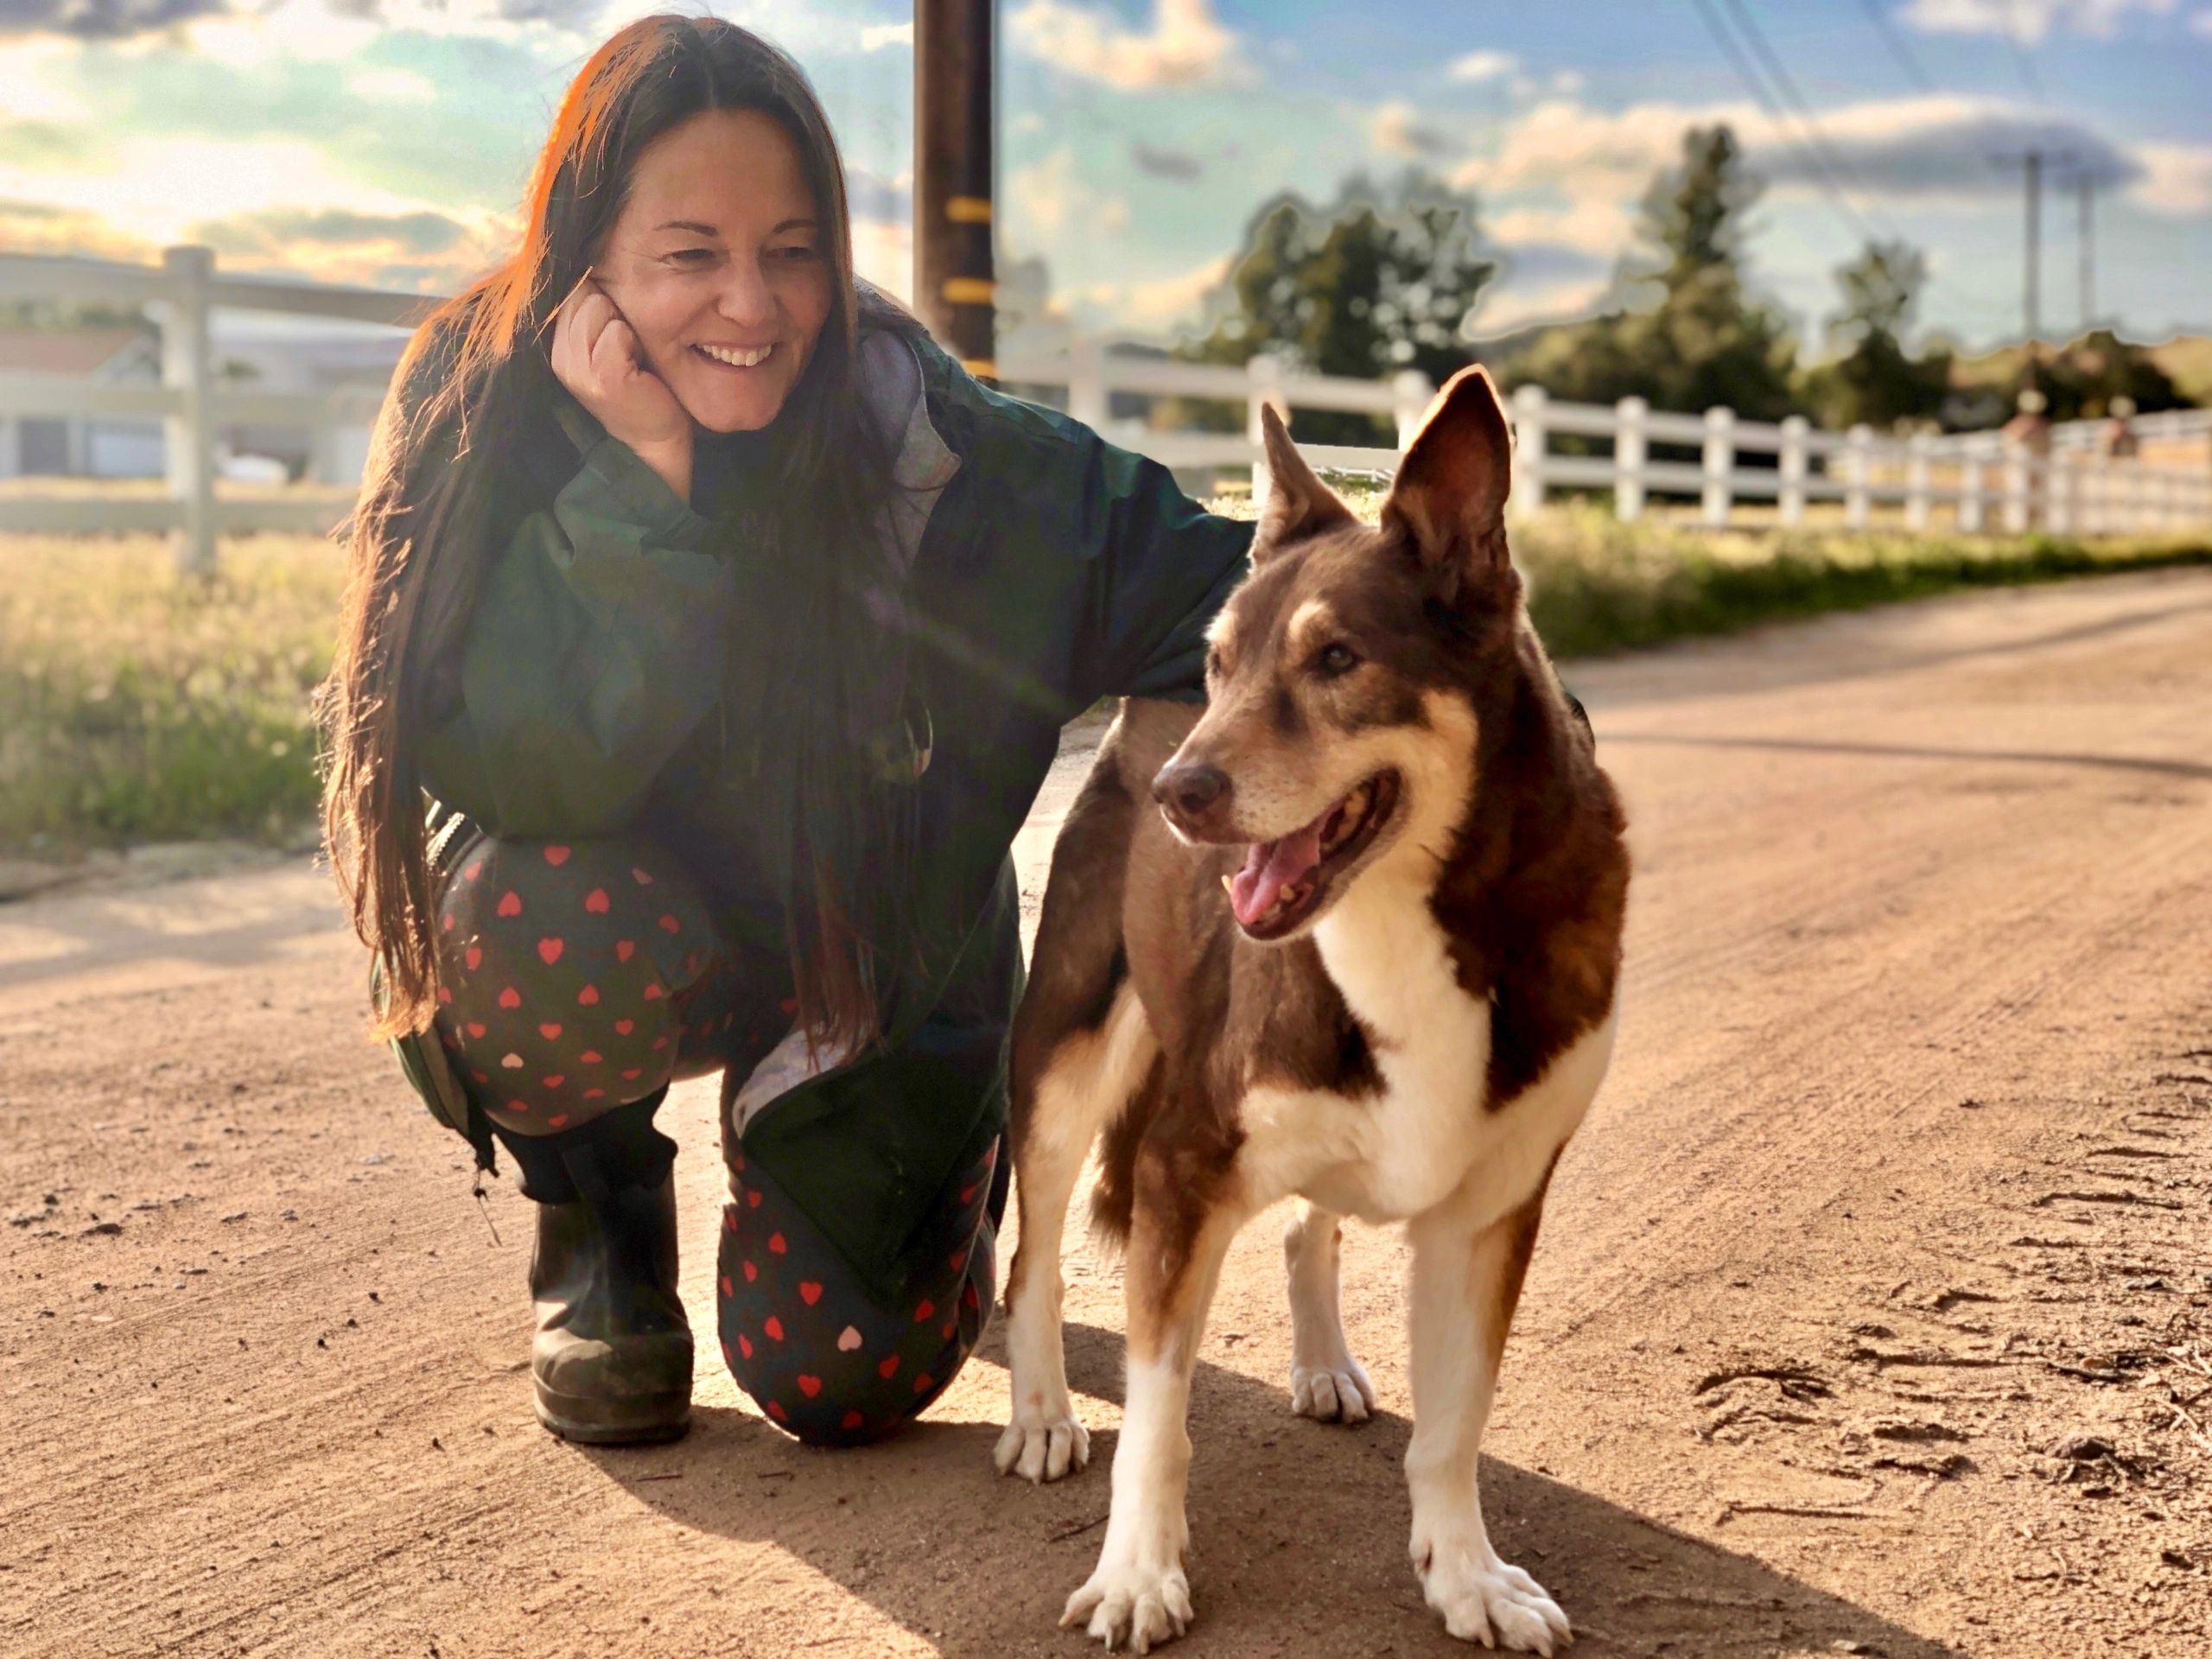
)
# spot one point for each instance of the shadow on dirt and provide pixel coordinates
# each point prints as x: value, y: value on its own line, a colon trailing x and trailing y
x: 1298, y: 1537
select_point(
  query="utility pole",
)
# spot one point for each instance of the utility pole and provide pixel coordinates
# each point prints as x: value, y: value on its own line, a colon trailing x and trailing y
x: 2085, y: 237
x: 2031, y: 163
x: 954, y: 175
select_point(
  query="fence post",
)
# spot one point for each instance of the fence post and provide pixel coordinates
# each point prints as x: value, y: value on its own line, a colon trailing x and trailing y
x: 1527, y: 450
x: 1790, y: 502
x: 2016, y: 487
x: 1915, y: 482
x: 1720, y: 461
x: 1632, y: 446
x: 1265, y: 374
x: 2062, y: 517
x: 188, y: 435
x: 1970, y: 504
x: 1412, y: 392
x: 1858, y: 472
x: 1087, y: 398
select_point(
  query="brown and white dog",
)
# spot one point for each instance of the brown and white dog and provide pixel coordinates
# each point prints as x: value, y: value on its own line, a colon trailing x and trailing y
x: 1364, y: 953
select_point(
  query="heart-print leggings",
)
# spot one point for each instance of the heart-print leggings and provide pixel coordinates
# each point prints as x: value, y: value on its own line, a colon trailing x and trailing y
x: 579, y: 976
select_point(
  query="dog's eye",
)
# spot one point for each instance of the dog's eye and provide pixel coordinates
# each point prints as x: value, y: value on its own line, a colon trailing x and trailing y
x: 1335, y: 659
x: 1213, y: 663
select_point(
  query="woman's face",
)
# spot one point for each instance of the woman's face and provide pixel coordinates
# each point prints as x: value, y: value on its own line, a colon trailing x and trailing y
x: 716, y: 261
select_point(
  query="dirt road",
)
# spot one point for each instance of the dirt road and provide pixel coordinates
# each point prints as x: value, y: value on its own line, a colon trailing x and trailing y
x: 1871, y: 1314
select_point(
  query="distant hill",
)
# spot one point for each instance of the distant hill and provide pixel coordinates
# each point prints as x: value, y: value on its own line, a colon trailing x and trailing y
x: 2186, y: 360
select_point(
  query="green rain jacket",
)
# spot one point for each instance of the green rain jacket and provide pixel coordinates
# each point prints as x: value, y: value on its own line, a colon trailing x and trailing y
x: 1043, y: 568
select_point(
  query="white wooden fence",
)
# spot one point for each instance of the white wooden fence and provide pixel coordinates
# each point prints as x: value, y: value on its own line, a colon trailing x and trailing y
x: 2066, y: 484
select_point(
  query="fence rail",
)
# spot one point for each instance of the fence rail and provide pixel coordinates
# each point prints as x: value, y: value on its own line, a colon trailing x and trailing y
x: 2066, y: 479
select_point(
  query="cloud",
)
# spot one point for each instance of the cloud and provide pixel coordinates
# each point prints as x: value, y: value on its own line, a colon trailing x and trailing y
x: 1186, y: 46
x: 1049, y: 196
x: 421, y: 249
x: 2176, y: 180
x: 870, y: 196
x: 875, y: 36
x: 42, y: 227
x: 1512, y: 302
x: 1396, y: 129
x: 2027, y: 21
x: 1483, y: 66
x: 1160, y: 303
x: 1179, y: 165
x: 1594, y: 227
x: 1934, y: 149
x: 102, y: 20
x: 2201, y: 24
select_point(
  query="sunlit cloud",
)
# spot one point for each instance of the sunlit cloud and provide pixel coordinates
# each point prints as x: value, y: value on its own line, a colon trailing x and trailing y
x: 2176, y: 180
x: 1050, y: 196
x: 1483, y: 66
x: 2028, y: 21
x: 1396, y: 128
x: 1185, y: 46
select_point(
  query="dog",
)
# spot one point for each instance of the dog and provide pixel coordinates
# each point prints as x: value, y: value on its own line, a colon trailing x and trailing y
x: 1364, y: 954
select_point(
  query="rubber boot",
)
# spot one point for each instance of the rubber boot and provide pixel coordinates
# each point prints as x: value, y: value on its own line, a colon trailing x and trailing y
x: 612, y: 1361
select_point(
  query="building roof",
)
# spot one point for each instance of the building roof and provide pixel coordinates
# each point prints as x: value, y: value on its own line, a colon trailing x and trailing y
x: 63, y: 351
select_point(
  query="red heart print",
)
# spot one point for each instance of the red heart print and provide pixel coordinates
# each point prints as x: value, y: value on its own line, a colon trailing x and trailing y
x: 510, y: 1062
x: 511, y: 998
x: 745, y: 1346
x: 775, y: 1245
x: 968, y: 1299
x: 753, y: 1198
x: 852, y: 1420
x: 945, y: 1330
x: 660, y: 1042
x: 597, y: 902
x: 475, y: 1030
x: 889, y: 1369
x: 922, y: 1383
x: 788, y: 1006
x: 447, y: 924
x: 510, y: 904
x: 669, y: 924
x: 549, y: 1031
x: 809, y: 1386
x: 968, y: 1193
x: 810, y: 1293
x: 549, y: 950
x: 773, y: 1327
x: 751, y: 1272
x: 473, y: 956
x: 777, y: 1411
x: 591, y: 1057
x: 553, y: 1081
x: 625, y: 948
x: 729, y: 1289
x: 445, y: 997
x: 473, y: 871
x: 556, y: 856
x: 653, y: 993
x: 518, y: 1106
x: 624, y: 1027
x: 641, y: 877
x: 560, y: 1122
x: 925, y: 1310
x: 848, y: 1338
x: 594, y: 1094
x: 587, y: 997
x: 959, y: 1260
x: 634, y: 1074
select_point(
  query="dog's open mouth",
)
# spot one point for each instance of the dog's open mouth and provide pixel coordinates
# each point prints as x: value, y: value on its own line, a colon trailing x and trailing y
x: 1283, y: 881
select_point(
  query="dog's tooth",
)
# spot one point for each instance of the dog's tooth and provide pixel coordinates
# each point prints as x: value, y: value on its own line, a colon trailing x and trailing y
x: 1228, y: 885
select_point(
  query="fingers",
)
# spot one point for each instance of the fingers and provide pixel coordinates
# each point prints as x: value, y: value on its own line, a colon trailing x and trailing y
x: 614, y: 352
x: 578, y: 326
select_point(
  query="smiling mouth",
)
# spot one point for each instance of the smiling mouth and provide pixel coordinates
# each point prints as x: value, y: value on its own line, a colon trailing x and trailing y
x: 736, y: 357
x: 1284, y: 881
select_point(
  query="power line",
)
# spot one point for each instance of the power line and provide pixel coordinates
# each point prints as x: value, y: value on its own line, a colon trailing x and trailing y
x: 1811, y: 123
x: 1907, y: 59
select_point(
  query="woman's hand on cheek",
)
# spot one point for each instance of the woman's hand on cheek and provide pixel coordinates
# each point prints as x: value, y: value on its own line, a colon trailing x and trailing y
x: 596, y: 356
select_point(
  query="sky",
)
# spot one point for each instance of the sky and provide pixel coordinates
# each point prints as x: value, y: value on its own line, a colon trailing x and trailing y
x: 386, y: 142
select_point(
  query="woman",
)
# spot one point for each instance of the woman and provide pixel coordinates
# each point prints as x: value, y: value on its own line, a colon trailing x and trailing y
x: 725, y: 628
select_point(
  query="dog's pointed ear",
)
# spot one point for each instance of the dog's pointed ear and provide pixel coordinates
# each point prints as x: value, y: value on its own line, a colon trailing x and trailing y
x: 1299, y: 503
x: 1449, y: 495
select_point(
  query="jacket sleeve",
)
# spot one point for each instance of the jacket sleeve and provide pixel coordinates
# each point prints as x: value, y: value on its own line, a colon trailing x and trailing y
x: 593, y: 654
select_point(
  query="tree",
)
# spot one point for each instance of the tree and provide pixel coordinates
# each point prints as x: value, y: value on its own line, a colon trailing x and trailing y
x: 1377, y: 281
x: 1874, y: 378
x: 1702, y: 339
x: 2082, y: 380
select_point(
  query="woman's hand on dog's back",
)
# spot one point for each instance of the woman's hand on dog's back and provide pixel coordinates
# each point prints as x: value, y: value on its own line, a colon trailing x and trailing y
x: 596, y: 356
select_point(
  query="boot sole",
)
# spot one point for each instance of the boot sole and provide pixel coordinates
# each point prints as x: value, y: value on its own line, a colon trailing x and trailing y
x: 636, y: 1419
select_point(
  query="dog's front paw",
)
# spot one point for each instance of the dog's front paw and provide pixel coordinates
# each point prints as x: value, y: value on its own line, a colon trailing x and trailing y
x: 1336, y: 1393
x: 1128, y: 1602
x: 1041, y: 1446
x: 1487, y: 1600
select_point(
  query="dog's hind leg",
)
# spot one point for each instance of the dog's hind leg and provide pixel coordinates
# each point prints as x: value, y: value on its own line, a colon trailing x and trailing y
x: 1086, y: 1080
x: 1325, y: 1380
x: 1466, y: 1283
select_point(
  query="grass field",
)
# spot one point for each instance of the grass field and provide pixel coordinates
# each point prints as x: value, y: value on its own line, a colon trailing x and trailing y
x: 136, y: 708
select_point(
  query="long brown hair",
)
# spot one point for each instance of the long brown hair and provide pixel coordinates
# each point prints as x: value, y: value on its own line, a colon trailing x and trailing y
x: 443, y: 465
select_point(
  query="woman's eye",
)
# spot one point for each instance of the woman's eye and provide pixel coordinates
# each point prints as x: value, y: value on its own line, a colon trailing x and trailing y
x: 1336, y: 659
x: 691, y: 255
x: 795, y: 255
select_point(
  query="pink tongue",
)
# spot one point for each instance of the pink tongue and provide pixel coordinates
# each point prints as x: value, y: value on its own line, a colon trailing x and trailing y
x: 1270, y: 867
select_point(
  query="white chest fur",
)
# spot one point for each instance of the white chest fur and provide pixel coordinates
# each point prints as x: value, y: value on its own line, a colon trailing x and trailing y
x: 1432, y: 1130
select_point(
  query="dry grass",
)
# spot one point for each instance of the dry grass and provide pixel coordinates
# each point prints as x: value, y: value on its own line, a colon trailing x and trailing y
x: 136, y: 708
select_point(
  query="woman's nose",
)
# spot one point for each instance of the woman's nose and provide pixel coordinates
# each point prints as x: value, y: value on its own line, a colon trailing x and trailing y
x: 746, y: 298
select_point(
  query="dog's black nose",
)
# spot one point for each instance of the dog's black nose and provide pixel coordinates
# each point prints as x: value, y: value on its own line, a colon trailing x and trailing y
x: 1190, y: 788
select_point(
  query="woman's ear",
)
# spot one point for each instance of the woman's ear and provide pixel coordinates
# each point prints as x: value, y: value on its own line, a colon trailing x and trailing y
x: 1299, y: 503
